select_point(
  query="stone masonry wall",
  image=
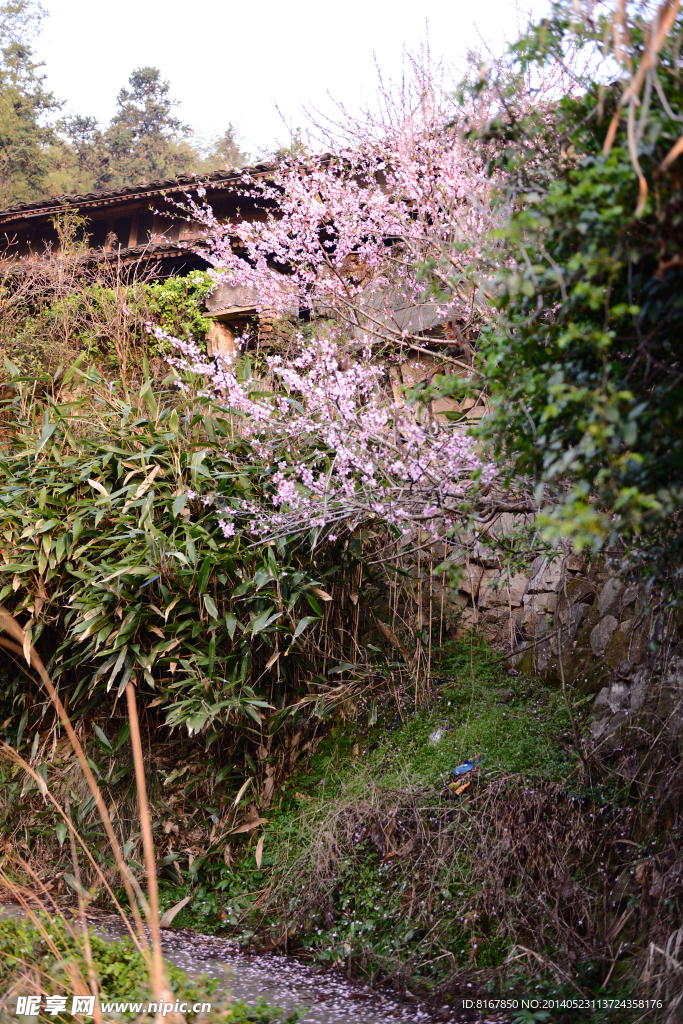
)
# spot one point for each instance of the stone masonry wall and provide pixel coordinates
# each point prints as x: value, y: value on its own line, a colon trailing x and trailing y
x: 619, y: 649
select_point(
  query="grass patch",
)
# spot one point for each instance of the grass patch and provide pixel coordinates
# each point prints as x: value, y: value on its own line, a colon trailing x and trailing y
x: 365, y: 901
x: 478, y: 709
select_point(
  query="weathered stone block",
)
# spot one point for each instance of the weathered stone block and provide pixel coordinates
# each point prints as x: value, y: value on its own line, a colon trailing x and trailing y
x: 616, y: 697
x: 616, y: 651
x: 540, y: 602
x: 494, y: 590
x: 577, y: 614
x: 628, y: 598
x: 471, y: 579
x: 546, y: 575
x: 575, y: 563
x: 580, y: 591
x: 601, y: 635
x: 610, y: 730
x: 608, y: 598
x: 499, y: 614
x: 589, y: 675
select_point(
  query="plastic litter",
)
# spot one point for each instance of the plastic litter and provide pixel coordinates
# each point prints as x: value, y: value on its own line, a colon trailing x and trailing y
x: 467, y: 766
x: 463, y: 769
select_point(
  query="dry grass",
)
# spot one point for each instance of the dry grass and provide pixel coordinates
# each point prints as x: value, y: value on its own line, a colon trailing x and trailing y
x: 554, y: 878
x: 159, y: 984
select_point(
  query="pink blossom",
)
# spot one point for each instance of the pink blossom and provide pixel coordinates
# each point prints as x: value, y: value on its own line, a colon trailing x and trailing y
x: 227, y: 529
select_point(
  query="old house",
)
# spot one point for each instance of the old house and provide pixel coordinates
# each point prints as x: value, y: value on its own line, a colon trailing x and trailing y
x: 140, y: 226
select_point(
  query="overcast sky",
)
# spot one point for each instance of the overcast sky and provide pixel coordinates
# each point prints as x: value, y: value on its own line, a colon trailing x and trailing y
x: 239, y: 62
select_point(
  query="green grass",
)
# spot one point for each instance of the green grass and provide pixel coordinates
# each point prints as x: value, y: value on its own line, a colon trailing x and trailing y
x: 518, y: 727
x: 515, y: 725
x: 478, y: 710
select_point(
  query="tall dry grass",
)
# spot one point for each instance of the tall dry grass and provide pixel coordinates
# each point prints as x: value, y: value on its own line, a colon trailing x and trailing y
x: 39, y: 899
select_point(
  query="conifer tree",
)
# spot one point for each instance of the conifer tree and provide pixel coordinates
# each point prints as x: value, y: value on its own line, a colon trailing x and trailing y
x: 26, y: 138
x: 144, y: 139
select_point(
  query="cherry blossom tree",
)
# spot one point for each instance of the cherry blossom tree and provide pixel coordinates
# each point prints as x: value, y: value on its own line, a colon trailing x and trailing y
x: 392, y: 222
x: 362, y: 231
x: 336, y: 453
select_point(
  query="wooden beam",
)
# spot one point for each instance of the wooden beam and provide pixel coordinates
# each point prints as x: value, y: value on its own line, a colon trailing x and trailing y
x: 133, y: 236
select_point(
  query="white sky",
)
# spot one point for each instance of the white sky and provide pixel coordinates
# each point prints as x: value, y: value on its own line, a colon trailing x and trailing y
x: 238, y: 62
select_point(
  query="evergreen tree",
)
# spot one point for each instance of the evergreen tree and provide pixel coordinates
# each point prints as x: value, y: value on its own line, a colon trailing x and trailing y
x: 86, y: 147
x: 144, y: 139
x: 26, y: 138
x: 223, y: 152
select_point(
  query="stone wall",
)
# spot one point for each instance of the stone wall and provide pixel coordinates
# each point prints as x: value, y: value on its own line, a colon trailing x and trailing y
x: 620, y: 650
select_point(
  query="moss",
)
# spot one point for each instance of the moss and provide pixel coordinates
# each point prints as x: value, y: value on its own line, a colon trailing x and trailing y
x: 593, y: 617
x: 591, y: 676
x: 617, y: 648
x: 527, y: 665
x: 579, y: 590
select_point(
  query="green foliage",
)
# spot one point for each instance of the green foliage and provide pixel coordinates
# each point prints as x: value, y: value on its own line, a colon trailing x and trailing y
x: 511, y: 723
x: 95, y: 314
x: 55, y: 948
x: 583, y: 359
x: 144, y: 138
x: 120, y: 968
x: 25, y: 137
x: 116, y: 565
x: 224, y: 150
x: 87, y: 150
x: 176, y: 303
x: 362, y: 907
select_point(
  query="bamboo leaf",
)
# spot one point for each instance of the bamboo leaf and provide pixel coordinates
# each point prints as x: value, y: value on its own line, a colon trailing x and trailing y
x: 28, y: 638
x: 48, y: 431
x: 303, y: 623
x: 179, y: 504
x: 98, y: 487
x: 230, y: 624
x: 242, y: 791
x: 172, y: 912
x: 103, y: 740
x: 248, y: 826
x: 264, y: 620
x: 147, y: 394
x: 204, y: 575
x: 73, y: 884
x: 77, y: 529
x: 278, y: 720
x: 60, y: 831
x: 123, y: 735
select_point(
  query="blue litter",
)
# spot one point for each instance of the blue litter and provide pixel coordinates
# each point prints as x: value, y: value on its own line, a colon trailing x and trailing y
x: 466, y: 767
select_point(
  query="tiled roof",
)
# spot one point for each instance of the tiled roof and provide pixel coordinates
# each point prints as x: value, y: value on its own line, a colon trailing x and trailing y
x: 142, y: 190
